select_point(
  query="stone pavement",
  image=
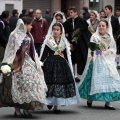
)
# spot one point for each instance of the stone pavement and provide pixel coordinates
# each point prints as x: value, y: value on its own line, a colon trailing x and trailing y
x: 75, y: 112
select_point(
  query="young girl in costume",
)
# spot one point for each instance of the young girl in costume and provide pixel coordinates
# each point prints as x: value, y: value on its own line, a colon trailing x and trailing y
x: 27, y: 89
x: 58, y: 71
x: 101, y: 80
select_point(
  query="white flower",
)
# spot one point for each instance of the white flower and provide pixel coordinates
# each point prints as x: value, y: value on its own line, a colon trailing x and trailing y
x: 27, y: 38
x: 41, y: 63
x: 5, y: 69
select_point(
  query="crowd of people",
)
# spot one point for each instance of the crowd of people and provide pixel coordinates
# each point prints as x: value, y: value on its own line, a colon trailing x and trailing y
x: 72, y: 49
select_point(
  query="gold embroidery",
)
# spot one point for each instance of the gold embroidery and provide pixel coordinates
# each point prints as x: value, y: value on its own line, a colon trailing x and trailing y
x: 50, y: 38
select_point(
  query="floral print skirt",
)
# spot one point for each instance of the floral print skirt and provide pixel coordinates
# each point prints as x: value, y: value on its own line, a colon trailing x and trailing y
x: 25, y: 89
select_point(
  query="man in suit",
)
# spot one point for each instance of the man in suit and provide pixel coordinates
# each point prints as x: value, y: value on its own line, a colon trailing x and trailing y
x: 79, y: 48
x: 115, y: 27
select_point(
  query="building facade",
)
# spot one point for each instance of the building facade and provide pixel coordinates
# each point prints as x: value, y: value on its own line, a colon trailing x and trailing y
x: 56, y: 5
x: 53, y: 5
x: 99, y: 4
x: 10, y: 5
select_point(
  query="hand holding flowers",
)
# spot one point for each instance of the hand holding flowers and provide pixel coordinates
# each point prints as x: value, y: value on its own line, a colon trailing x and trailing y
x: 76, y: 35
x: 6, y: 69
x: 99, y: 47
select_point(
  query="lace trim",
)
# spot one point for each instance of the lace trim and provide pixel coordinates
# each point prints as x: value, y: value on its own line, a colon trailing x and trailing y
x: 106, y: 89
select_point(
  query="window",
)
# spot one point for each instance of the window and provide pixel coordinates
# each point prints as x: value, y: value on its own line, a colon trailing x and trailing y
x: 95, y: 5
x: 9, y: 7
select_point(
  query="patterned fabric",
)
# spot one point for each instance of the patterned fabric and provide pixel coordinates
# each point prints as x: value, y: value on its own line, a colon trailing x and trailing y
x: 58, y: 77
x: 85, y: 88
x: 20, y: 55
x: 27, y: 85
x: 6, y: 97
x: 26, y: 88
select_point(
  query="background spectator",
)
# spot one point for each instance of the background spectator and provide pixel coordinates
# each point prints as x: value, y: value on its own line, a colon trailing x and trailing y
x: 39, y: 30
x: 24, y: 13
x: 86, y: 14
x: 31, y: 13
x: 13, y: 20
x: 48, y: 17
x: 4, y: 32
x: 102, y: 14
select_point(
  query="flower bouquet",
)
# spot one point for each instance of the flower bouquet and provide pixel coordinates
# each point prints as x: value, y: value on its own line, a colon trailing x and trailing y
x: 98, y: 47
x: 76, y: 35
x: 102, y: 46
x: 93, y: 46
x: 6, y: 69
x: 41, y: 63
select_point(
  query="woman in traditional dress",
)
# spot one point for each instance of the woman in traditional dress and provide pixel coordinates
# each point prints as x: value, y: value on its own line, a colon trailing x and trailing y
x: 100, y: 79
x: 93, y: 21
x: 27, y: 89
x: 58, y: 17
x: 58, y: 71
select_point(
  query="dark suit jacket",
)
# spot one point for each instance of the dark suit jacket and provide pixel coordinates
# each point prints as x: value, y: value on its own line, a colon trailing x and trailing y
x: 81, y: 47
x: 13, y: 21
x: 115, y: 24
x: 4, y: 32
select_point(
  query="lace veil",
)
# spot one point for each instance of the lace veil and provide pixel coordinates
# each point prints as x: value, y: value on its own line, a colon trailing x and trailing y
x: 14, y: 42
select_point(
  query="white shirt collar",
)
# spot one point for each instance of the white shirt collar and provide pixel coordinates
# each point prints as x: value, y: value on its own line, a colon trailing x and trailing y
x: 119, y: 19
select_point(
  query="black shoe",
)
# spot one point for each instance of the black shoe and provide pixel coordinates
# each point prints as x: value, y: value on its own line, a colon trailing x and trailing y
x: 89, y: 104
x: 77, y: 79
x: 27, y: 115
x: 109, y: 107
x: 118, y: 67
x: 49, y: 107
x: 18, y: 115
x: 57, y: 111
